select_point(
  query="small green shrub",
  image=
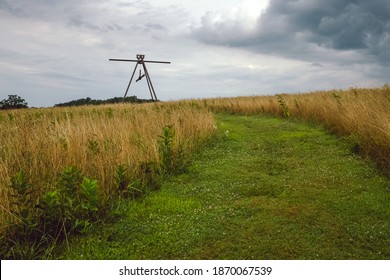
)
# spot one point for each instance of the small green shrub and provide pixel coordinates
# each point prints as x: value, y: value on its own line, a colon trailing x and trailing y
x: 69, y: 179
x: 72, y: 205
x: 89, y: 200
x: 126, y: 185
x: 166, y: 148
x: 121, y: 178
x: 26, y: 237
x: 172, y: 154
x: 23, y: 203
x: 150, y: 176
x: 336, y: 96
x: 283, y: 105
x: 93, y: 146
x: 40, y: 222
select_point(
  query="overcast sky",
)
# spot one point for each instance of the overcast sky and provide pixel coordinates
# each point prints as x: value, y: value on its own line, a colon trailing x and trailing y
x: 55, y: 51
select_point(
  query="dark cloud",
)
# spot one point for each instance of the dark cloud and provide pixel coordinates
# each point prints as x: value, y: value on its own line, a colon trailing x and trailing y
x: 296, y: 28
x: 139, y: 4
x: 358, y: 25
x: 155, y: 26
x: 9, y: 8
x: 52, y: 49
x: 79, y: 21
x: 316, y: 64
x: 52, y: 10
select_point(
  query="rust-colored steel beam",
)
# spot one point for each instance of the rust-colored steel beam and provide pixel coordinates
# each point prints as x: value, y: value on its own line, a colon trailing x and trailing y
x: 139, y: 61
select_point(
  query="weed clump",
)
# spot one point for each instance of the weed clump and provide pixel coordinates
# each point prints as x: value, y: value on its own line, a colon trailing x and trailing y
x: 283, y: 105
x: 40, y: 222
x: 172, y: 153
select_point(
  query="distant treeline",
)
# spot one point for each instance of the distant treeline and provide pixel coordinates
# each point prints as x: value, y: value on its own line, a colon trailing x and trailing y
x: 89, y: 101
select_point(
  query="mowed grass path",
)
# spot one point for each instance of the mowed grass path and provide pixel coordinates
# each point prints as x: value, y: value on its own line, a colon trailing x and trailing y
x: 266, y: 189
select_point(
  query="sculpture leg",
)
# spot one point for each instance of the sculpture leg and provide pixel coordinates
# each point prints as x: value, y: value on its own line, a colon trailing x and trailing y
x: 150, y: 85
x: 131, y: 79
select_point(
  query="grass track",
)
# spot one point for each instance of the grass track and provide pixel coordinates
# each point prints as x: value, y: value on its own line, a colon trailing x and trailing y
x: 266, y: 189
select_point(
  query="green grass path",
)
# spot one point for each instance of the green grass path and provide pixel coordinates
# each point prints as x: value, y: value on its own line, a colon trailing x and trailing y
x: 266, y: 189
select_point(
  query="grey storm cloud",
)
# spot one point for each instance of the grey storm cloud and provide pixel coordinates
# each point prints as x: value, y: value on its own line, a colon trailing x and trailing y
x: 5, y: 6
x: 296, y: 27
x: 57, y: 50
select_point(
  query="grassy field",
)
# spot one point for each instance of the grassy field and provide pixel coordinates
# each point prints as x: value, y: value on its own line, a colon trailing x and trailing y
x: 60, y: 167
x: 267, y: 188
x: 62, y: 170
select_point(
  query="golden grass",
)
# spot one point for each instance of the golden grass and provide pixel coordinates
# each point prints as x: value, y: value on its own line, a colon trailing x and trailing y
x: 95, y: 139
x: 361, y: 114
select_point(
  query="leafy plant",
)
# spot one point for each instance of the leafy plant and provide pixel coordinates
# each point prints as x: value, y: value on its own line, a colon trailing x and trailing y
x: 69, y: 179
x: 283, y: 105
x: 93, y: 146
x: 89, y: 200
x: 336, y: 96
x: 60, y: 206
x: 166, y: 148
x: 121, y: 179
x: 11, y: 116
x: 172, y: 154
x: 26, y: 238
x: 109, y: 112
x: 150, y: 176
x: 41, y: 222
x: 127, y: 186
x: 72, y: 204
x: 23, y: 203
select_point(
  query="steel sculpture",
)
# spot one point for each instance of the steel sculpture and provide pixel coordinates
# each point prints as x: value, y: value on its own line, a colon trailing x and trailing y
x: 140, y: 61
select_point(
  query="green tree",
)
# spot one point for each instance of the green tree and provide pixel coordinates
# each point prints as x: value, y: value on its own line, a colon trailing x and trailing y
x: 13, y: 102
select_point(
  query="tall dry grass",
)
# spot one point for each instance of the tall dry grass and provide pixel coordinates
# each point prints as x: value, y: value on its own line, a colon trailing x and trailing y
x: 42, y: 142
x: 96, y: 140
x: 363, y: 115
